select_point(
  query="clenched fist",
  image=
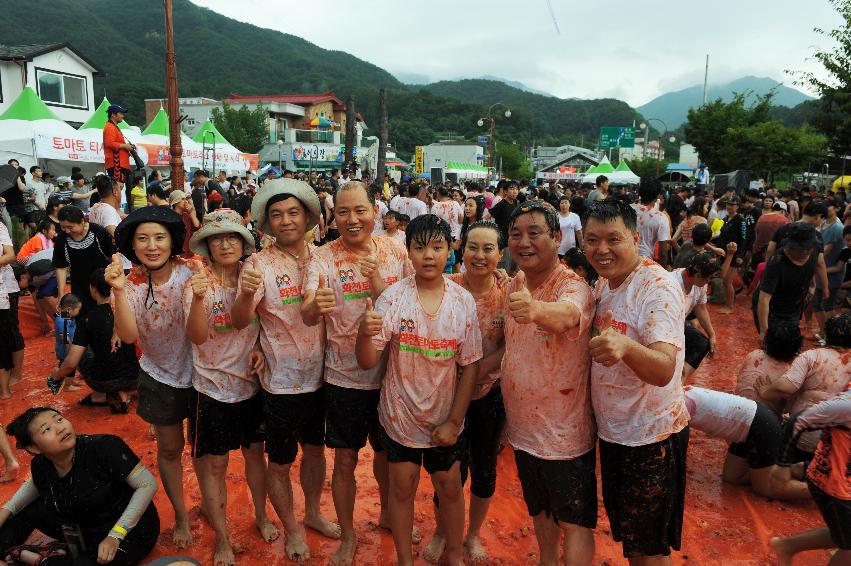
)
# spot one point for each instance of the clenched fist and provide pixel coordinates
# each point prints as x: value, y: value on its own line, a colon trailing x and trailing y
x: 114, y: 273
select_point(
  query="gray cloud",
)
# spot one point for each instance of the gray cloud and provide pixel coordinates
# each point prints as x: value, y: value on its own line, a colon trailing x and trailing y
x: 629, y: 50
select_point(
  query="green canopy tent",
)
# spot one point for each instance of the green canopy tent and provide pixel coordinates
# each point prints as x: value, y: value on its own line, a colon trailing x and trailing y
x: 208, y: 133
x: 98, y: 118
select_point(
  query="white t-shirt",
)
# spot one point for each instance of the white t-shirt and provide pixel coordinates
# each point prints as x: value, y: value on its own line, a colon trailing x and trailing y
x: 569, y: 225
x: 105, y: 215
x: 166, y: 350
x: 8, y: 283
x: 720, y: 414
x: 293, y: 350
x: 339, y: 266
x: 647, y: 307
x: 424, y: 352
x: 411, y: 206
x: 39, y: 191
x: 379, y: 218
x: 220, y: 365
x: 697, y: 295
x: 450, y: 211
x: 653, y: 227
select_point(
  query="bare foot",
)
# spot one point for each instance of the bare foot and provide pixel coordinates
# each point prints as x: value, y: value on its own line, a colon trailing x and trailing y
x: 384, y: 523
x: 11, y: 472
x: 434, y: 549
x: 224, y: 555
x: 6, y: 395
x: 477, y: 552
x: 725, y: 310
x: 182, y: 535
x: 345, y: 555
x: 784, y: 556
x: 296, y: 547
x: 323, y: 526
x: 268, y: 531
x: 71, y: 387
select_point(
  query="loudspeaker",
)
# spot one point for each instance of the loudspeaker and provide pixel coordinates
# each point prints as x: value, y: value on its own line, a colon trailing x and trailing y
x: 436, y: 175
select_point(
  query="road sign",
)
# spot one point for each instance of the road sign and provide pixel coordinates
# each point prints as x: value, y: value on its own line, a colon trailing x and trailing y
x: 617, y: 137
x: 483, y: 140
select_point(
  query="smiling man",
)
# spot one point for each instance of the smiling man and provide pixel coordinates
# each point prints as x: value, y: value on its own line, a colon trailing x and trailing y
x: 340, y: 277
x: 638, y: 401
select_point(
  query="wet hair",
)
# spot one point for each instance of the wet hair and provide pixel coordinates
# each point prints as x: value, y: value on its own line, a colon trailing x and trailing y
x: 649, y: 190
x: 426, y: 228
x: 837, y: 330
x: 69, y: 301
x: 72, y: 214
x: 45, y: 225
x: 575, y: 259
x: 103, y: 185
x: 353, y: 185
x: 403, y: 218
x: 98, y: 281
x: 534, y: 205
x: 600, y: 180
x: 816, y: 209
x: 20, y: 426
x: 705, y: 263
x: 783, y: 341
x: 701, y: 234
x: 609, y: 210
x: 485, y: 225
x: 241, y: 204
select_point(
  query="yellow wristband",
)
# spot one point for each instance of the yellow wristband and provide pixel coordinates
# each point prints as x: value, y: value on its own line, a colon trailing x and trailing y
x: 120, y: 530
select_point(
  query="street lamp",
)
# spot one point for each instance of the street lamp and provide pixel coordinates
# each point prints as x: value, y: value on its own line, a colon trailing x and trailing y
x: 646, y: 127
x: 491, y: 126
x: 280, y: 143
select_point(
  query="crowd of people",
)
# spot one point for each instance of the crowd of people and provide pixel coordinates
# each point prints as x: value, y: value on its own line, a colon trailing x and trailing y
x: 308, y: 312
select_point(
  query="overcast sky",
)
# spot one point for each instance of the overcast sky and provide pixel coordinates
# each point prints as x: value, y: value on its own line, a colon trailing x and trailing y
x: 632, y: 50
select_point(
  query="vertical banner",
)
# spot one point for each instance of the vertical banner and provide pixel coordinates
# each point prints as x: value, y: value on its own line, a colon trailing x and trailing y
x: 419, y: 165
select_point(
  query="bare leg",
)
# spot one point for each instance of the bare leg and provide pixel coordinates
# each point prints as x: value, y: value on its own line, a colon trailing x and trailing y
x: 787, y: 547
x: 478, y: 511
x: 15, y: 372
x: 170, y: 444
x: 9, y: 460
x: 448, y: 487
x: 549, y: 536
x: 344, y: 491
x: 312, y: 476
x: 381, y: 472
x: 5, y: 386
x: 281, y: 496
x: 736, y: 470
x: 255, y: 475
x: 687, y: 371
x: 404, y: 478
x: 578, y: 545
x: 211, y: 471
x: 729, y: 293
x: 777, y: 482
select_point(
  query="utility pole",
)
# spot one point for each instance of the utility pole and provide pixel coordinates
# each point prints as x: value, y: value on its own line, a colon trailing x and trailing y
x: 351, y: 136
x: 175, y: 147
x: 382, y: 138
x: 705, y: 79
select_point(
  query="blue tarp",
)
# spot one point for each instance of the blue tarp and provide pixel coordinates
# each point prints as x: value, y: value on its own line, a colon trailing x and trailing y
x: 679, y: 167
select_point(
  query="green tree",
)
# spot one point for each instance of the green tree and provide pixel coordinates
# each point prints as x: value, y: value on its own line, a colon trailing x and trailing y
x: 770, y: 148
x: 647, y: 167
x: 514, y: 163
x: 246, y: 129
x: 834, y: 119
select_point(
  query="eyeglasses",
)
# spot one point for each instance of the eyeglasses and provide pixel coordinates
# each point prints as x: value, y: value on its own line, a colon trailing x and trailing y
x: 219, y: 241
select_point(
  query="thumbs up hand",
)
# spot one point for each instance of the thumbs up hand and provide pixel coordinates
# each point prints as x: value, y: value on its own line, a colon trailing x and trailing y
x: 250, y: 280
x: 609, y: 346
x: 199, y: 281
x: 114, y: 273
x: 371, y: 323
x: 325, y: 298
x: 521, y: 305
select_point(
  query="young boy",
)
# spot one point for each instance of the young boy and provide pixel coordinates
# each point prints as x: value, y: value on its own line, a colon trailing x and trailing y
x: 64, y: 326
x: 431, y: 326
x: 392, y: 226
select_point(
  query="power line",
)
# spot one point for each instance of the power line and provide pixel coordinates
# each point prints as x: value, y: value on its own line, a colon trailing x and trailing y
x: 553, y: 16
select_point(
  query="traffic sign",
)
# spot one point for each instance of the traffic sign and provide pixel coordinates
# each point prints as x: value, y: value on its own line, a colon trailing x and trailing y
x: 617, y: 137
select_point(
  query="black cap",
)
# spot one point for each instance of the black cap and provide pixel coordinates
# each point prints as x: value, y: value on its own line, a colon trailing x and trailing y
x: 800, y: 235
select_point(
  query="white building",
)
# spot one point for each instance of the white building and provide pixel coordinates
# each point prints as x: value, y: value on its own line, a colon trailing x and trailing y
x: 440, y: 153
x: 61, y: 76
x: 654, y: 150
x: 688, y: 155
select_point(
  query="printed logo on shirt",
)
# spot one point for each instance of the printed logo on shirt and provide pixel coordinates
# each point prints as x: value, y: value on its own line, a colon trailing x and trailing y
x: 289, y: 293
x: 347, y: 275
x: 410, y: 341
x: 353, y: 290
x: 499, y: 321
x: 542, y: 333
x: 616, y: 325
x: 221, y: 318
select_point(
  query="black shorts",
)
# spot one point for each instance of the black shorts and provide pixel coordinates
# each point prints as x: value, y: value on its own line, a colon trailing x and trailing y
x: 696, y: 345
x: 436, y: 459
x: 484, y: 424
x: 761, y: 448
x: 161, y: 404
x: 351, y: 416
x: 836, y: 514
x: 825, y: 302
x: 565, y: 490
x: 292, y: 419
x: 644, y: 490
x: 216, y: 427
x: 7, y: 340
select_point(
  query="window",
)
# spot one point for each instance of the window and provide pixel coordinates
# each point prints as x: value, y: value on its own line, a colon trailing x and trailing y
x: 62, y: 89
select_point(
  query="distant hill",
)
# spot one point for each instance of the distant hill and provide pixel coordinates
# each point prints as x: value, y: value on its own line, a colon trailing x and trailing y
x: 672, y: 107
x: 517, y: 84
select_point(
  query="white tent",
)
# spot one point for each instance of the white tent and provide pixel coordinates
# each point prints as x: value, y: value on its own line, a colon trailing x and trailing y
x: 27, y: 119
